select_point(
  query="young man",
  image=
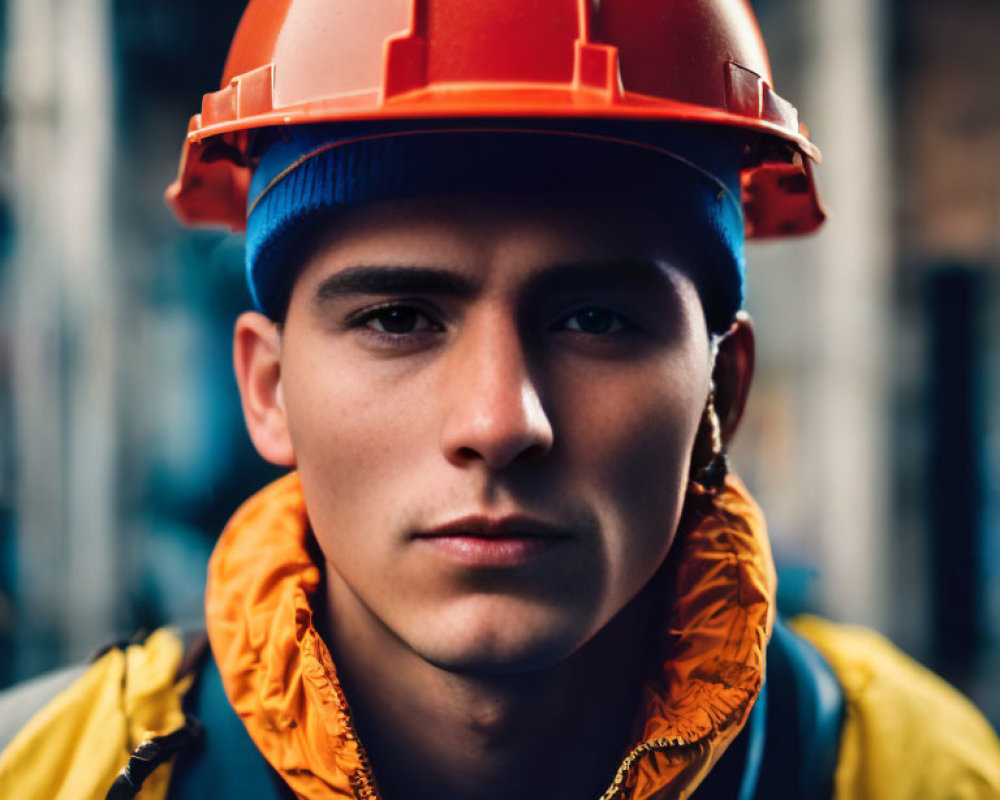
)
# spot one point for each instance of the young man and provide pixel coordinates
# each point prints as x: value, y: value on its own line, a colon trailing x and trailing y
x: 497, y: 262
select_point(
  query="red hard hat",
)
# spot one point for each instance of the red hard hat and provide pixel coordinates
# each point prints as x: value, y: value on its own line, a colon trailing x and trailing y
x: 294, y: 62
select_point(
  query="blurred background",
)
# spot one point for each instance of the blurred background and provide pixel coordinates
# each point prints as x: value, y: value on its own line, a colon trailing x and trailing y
x: 873, y: 435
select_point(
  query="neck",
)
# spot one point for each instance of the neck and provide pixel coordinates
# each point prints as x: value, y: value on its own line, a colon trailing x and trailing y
x: 558, y: 732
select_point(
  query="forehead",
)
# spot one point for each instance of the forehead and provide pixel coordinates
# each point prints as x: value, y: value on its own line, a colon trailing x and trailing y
x: 513, y: 235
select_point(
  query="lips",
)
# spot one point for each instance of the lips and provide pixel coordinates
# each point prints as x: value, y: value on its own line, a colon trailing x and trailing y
x: 478, y: 541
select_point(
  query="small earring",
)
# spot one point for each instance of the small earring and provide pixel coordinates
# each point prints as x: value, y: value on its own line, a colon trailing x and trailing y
x: 708, y: 462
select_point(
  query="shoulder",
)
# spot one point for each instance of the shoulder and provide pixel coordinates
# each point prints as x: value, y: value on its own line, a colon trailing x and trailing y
x: 70, y: 733
x: 907, y: 733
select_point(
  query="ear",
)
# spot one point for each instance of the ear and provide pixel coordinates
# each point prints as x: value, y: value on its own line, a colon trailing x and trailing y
x: 257, y: 361
x: 733, y: 373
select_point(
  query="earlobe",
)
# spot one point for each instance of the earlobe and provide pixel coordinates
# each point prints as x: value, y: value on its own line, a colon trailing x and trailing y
x: 733, y: 374
x: 257, y: 363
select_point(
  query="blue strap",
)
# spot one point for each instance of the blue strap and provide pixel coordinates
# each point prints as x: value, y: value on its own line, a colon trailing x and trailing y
x: 790, y: 744
x: 737, y: 774
x: 227, y: 766
x: 804, y: 720
x: 756, y: 732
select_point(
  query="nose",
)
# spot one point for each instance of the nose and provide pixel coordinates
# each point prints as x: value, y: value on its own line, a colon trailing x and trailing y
x: 494, y: 411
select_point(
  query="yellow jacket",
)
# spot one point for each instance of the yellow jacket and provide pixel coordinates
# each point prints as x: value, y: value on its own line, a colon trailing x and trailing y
x: 907, y: 733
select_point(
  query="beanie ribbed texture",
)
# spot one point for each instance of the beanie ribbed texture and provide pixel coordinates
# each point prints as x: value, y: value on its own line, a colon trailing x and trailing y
x: 310, y: 173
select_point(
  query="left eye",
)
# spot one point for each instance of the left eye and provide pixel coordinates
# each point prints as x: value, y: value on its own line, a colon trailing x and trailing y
x: 595, y: 321
x: 397, y: 320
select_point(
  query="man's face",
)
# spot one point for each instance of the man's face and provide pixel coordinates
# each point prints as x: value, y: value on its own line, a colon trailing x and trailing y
x: 492, y: 405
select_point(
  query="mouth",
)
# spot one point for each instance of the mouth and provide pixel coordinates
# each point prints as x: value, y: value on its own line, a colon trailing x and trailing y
x: 485, y: 542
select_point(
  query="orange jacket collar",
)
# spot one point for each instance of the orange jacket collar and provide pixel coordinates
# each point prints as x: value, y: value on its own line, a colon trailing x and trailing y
x: 281, y: 680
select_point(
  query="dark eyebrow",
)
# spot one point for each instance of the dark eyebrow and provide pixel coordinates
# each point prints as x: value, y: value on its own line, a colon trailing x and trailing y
x: 393, y: 280
x: 637, y: 272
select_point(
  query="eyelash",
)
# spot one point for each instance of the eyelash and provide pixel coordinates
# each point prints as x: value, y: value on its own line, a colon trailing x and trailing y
x: 361, y: 321
x: 618, y: 322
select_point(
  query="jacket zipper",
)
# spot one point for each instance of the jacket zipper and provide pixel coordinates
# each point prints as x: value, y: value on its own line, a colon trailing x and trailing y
x: 665, y: 743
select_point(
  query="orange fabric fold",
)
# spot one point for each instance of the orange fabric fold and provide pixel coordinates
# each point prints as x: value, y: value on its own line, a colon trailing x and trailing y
x: 281, y: 680
x: 721, y: 584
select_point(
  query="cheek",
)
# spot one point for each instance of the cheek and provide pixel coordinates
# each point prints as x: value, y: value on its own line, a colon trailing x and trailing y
x: 353, y: 437
x: 632, y: 450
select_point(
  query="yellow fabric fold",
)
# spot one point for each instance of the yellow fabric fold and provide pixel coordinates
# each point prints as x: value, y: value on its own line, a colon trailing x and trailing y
x: 281, y: 679
x: 907, y: 734
x: 75, y: 746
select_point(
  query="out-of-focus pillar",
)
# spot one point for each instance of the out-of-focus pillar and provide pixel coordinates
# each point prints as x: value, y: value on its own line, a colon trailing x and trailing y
x: 955, y: 463
x: 845, y: 102
x: 62, y: 310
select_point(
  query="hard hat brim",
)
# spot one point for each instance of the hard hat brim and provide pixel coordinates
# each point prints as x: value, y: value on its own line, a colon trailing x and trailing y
x: 213, y: 190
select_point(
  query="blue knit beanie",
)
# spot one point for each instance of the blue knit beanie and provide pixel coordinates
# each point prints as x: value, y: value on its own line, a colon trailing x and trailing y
x: 689, y: 174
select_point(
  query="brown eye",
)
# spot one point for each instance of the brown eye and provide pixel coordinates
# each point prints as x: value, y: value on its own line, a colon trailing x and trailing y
x: 398, y: 320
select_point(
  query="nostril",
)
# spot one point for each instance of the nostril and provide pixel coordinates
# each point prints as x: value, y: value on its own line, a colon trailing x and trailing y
x: 499, y: 454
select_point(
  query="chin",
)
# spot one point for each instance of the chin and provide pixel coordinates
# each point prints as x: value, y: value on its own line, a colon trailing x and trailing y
x: 489, y: 636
